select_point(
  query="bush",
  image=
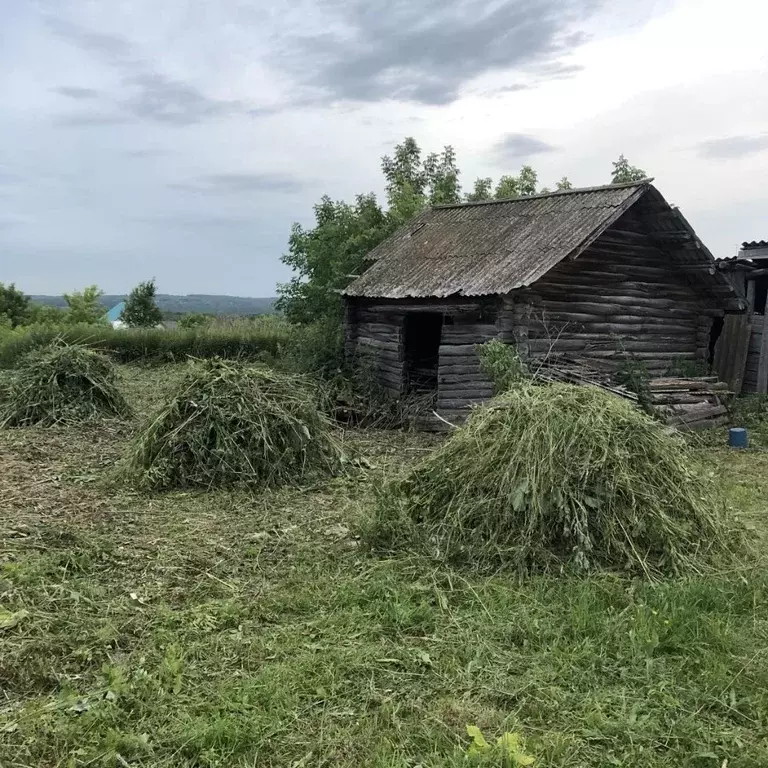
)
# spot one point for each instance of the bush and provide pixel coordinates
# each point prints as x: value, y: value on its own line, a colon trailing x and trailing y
x: 260, y: 339
x: 551, y: 476
x: 230, y: 424
x: 61, y: 384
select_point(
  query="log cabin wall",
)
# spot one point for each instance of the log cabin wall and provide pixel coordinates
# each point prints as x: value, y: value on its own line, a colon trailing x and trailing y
x: 374, y: 337
x: 621, y: 294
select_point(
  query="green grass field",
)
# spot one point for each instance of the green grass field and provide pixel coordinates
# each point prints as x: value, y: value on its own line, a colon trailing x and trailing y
x: 236, y: 629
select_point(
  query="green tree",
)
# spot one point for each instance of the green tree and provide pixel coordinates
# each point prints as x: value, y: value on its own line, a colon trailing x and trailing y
x: 624, y: 172
x: 141, y: 311
x: 414, y: 183
x: 195, y: 320
x: 45, y: 314
x: 482, y: 190
x: 326, y: 257
x: 85, y: 306
x: 564, y: 183
x: 14, y: 305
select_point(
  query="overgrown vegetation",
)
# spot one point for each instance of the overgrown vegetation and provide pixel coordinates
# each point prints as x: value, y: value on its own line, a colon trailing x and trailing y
x: 502, y: 364
x: 633, y: 374
x: 230, y: 424
x: 558, y: 475
x: 259, y: 339
x: 62, y: 383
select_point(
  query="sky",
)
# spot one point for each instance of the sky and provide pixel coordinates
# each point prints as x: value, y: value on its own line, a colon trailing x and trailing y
x: 180, y: 139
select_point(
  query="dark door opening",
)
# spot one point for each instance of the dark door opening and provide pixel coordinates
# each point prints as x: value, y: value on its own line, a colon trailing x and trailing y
x: 421, y: 337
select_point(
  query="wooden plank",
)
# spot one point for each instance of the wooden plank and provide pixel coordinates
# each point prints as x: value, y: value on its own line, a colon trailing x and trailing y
x: 732, y: 349
x: 762, y: 370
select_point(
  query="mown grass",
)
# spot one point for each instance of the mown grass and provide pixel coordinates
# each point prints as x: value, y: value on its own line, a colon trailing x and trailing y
x: 237, y: 629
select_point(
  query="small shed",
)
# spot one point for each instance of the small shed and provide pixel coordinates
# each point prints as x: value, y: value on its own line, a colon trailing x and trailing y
x: 748, y: 273
x: 597, y: 273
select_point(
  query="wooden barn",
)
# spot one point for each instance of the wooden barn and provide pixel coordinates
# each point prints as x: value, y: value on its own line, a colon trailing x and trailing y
x: 596, y: 274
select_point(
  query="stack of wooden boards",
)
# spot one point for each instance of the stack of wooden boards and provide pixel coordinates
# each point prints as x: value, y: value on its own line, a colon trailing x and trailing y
x: 690, y: 403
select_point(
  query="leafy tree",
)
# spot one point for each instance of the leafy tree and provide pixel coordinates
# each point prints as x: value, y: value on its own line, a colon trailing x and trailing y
x: 482, y: 190
x: 141, y: 311
x: 624, y: 172
x: 564, y: 183
x: 414, y: 183
x: 85, y: 306
x: 14, y: 305
x: 326, y: 256
x: 45, y: 314
x: 507, y: 187
x: 194, y: 320
x: 526, y: 181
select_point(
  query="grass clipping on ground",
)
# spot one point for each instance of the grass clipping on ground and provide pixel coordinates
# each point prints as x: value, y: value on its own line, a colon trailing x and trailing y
x: 551, y: 476
x: 61, y: 384
x: 230, y: 424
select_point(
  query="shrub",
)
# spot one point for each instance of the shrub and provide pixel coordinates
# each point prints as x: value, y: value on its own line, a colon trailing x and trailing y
x: 501, y: 363
x: 62, y: 383
x: 547, y: 476
x: 231, y: 424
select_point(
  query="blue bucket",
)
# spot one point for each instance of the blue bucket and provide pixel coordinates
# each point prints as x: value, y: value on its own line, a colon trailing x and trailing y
x: 737, y: 437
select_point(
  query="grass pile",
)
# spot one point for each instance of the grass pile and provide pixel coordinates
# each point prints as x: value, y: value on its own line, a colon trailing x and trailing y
x: 558, y: 476
x: 61, y: 383
x: 230, y: 424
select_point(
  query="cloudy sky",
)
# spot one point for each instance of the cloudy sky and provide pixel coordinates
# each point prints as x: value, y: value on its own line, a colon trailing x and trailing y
x: 179, y: 139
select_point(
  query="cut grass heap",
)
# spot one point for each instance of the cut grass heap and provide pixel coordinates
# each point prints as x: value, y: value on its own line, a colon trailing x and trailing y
x: 230, y: 424
x: 61, y: 383
x: 552, y: 476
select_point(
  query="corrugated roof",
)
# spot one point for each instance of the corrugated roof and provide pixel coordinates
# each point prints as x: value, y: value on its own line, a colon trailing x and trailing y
x: 114, y: 313
x: 474, y: 249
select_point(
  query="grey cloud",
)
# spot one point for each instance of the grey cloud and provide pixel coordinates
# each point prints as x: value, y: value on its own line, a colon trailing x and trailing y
x: 150, y: 94
x: 108, y: 46
x: 90, y: 119
x: 75, y: 92
x: 164, y: 100
x: 733, y: 146
x: 517, y: 145
x: 426, y: 51
x: 231, y: 183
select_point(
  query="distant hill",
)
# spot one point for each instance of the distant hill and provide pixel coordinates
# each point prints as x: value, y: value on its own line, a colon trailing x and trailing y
x: 194, y: 302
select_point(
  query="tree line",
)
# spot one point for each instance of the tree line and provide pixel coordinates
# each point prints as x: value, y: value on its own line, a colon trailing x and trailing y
x: 326, y: 257
x: 82, y: 308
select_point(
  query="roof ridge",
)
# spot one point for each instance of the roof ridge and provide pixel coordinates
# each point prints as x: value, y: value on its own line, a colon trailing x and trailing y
x: 558, y: 192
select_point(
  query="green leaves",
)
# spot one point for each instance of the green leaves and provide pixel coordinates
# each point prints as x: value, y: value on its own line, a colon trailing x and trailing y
x: 507, y: 752
x: 141, y: 311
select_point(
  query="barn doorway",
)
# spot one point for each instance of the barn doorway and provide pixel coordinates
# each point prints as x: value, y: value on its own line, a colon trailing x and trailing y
x: 421, y: 343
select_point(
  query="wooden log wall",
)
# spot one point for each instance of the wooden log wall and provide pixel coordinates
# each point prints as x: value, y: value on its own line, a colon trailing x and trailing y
x: 460, y: 381
x: 620, y: 295
x: 374, y: 338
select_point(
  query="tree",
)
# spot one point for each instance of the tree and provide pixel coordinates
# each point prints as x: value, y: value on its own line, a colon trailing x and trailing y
x: 85, y: 306
x: 413, y: 183
x: 482, y: 190
x: 194, y: 320
x: 141, y: 311
x: 14, y: 305
x: 624, y: 172
x: 326, y: 257
x: 563, y: 184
